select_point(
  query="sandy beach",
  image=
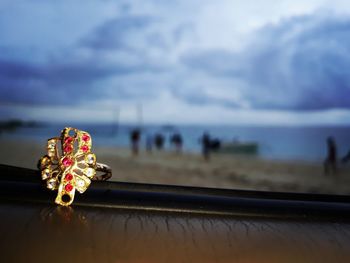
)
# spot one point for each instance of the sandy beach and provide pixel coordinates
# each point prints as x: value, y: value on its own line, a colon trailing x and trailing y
x: 223, y: 171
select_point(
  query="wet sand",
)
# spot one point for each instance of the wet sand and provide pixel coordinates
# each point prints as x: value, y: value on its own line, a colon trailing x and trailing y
x: 223, y: 171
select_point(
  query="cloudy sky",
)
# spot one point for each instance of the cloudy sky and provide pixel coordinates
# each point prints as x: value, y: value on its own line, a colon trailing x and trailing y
x: 184, y: 61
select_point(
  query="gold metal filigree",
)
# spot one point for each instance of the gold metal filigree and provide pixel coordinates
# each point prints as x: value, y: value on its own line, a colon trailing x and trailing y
x: 69, y: 164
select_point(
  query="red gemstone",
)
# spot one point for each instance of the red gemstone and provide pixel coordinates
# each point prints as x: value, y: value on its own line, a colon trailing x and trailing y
x: 67, y: 161
x: 85, y: 137
x: 68, y: 140
x: 85, y: 148
x: 69, y: 177
x: 68, y: 148
x: 68, y: 187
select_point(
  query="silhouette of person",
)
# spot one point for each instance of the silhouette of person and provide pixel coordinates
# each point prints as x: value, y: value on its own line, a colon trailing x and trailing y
x: 330, y: 164
x: 176, y: 140
x: 135, y: 140
x: 159, y: 141
x: 205, y: 140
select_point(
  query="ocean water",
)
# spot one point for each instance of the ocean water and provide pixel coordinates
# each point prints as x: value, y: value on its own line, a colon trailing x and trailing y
x: 286, y: 143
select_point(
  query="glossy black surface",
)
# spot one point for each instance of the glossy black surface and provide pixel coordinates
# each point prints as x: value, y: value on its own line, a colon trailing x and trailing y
x: 125, y: 222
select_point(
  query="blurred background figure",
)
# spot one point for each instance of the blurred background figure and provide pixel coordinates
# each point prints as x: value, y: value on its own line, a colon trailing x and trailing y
x: 205, y: 141
x: 330, y: 164
x: 135, y: 141
x: 159, y: 141
x: 177, y: 141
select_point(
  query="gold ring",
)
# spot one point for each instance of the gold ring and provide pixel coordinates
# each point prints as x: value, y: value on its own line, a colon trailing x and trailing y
x: 70, y: 165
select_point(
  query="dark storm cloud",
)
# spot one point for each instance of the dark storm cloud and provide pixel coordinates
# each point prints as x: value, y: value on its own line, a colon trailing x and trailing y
x: 300, y: 64
x: 307, y: 70
x: 15, y: 79
x: 11, y: 70
x: 55, y: 83
x: 115, y: 48
x: 115, y: 33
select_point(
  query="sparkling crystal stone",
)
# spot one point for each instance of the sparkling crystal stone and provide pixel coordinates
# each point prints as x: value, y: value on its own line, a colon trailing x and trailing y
x: 68, y: 177
x: 80, y: 183
x: 45, y: 174
x: 90, y: 172
x: 51, y: 184
x: 67, y: 161
x: 84, y: 148
x: 68, y: 187
x: 90, y: 158
x: 68, y: 148
x: 68, y: 140
x: 85, y: 137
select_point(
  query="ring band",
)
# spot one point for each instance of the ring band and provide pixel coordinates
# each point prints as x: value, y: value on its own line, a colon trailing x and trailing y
x: 72, y: 166
x: 107, y: 172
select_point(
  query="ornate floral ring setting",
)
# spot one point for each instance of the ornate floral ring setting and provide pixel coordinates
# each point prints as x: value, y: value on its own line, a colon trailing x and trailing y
x: 70, y: 165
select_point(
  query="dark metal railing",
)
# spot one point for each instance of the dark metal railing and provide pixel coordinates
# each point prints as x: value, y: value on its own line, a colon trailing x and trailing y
x: 24, y: 185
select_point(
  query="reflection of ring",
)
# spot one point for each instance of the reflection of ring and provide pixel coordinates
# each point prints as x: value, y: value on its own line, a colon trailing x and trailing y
x: 72, y: 166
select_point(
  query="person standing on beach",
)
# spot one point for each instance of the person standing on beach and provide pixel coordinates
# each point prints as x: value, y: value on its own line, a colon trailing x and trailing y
x: 176, y: 140
x: 135, y: 140
x: 206, y: 146
x: 330, y: 164
x: 159, y: 141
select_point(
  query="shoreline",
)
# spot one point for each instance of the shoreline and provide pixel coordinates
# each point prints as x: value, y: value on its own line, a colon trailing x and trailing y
x: 222, y: 171
x: 274, y: 143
